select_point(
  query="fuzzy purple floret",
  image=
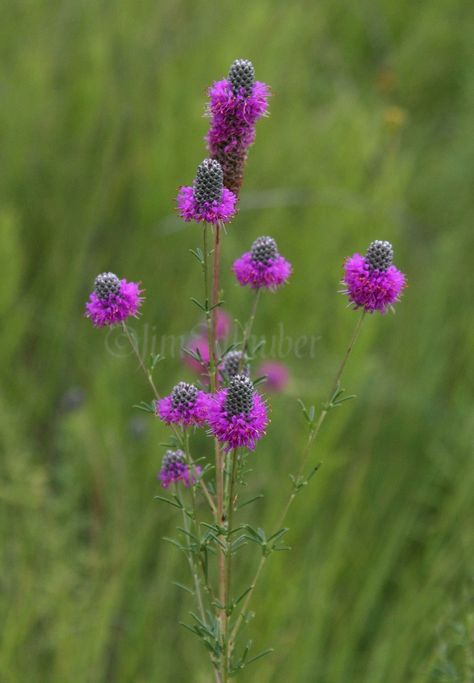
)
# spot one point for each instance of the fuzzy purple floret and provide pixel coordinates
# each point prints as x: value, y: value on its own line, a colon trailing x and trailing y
x: 234, y: 116
x: 116, y: 307
x: 237, y: 431
x: 256, y: 274
x: 209, y: 212
x: 194, y: 414
x: 178, y: 471
x: 373, y: 290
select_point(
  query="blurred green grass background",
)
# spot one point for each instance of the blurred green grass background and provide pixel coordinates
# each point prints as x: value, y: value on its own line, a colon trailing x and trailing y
x: 370, y: 136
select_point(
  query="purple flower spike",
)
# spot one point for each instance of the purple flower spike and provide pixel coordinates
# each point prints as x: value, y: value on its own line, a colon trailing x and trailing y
x: 174, y: 469
x: 186, y: 405
x: 371, y: 281
x: 235, y: 105
x: 237, y: 415
x: 207, y: 200
x: 262, y: 266
x: 113, y: 300
x: 234, y: 115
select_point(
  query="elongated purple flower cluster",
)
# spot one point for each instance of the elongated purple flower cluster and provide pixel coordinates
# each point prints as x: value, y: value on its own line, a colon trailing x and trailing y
x: 237, y: 415
x: 113, y: 300
x: 174, y: 469
x: 372, y: 282
x: 236, y: 103
x: 262, y: 266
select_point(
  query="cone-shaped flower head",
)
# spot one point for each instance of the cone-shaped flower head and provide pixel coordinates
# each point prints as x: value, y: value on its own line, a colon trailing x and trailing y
x: 264, y: 250
x: 209, y: 182
x: 242, y: 77
x: 235, y: 105
x: 207, y: 200
x: 262, y: 266
x: 372, y: 281
x: 379, y: 255
x: 106, y: 284
x: 174, y: 468
x: 234, y: 363
x: 112, y: 300
x: 237, y: 415
x: 239, y: 399
x: 186, y: 405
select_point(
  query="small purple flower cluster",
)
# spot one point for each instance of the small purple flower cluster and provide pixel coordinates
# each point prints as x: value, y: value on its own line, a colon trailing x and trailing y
x: 262, y: 266
x: 174, y: 469
x: 236, y: 415
x: 186, y: 405
x: 236, y: 103
x: 207, y: 200
x: 112, y: 301
x: 372, y: 282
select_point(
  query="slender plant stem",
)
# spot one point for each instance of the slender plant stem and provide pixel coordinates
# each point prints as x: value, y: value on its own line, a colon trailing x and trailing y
x: 314, y: 431
x: 149, y: 377
x: 209, y: 313
x: 248, y: 329
x: 218, y: 451
x: 192, y: 566
x: 212, y: 299
x: 215, y: 285
x: 190, y: 557
x: 137, y: 353
x: 197, y: 528
x: 232, y: 475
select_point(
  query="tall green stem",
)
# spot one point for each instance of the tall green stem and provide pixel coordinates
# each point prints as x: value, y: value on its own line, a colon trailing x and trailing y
x: 248, y: 329
x: 190, y: 557
x: 232, y: 475
x: 314, y: 431
x: 141, y: 362
x: 212, y: 300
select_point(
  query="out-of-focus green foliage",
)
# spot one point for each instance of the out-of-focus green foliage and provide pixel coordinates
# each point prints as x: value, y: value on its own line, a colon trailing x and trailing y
x: 370, y: 137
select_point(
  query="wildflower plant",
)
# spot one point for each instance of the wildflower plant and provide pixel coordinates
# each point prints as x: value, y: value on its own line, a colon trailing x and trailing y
x: 205, y: 486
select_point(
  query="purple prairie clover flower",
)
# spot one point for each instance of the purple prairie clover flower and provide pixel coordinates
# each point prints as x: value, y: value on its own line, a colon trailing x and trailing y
x: 262, y: 266
x: 113, y: 300
x: 186, y: 405
x: 237, y: 415
x: 277, y: 375
x: 207, y: 200
x: 174, y: 469
x: 236, y: 103
x: 372, y: 282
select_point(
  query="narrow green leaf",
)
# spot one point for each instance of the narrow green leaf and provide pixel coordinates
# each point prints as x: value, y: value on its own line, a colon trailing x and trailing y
x: 250, y: 500
x: 167, y: 500
x: 199, y: 304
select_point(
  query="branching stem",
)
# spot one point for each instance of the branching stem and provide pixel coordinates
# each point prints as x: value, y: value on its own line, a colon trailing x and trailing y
x: 313, y: 433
